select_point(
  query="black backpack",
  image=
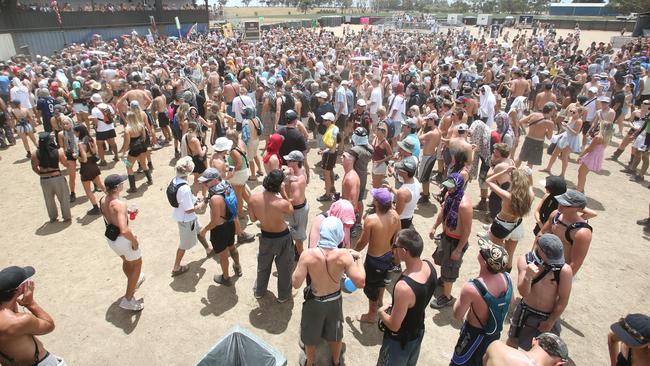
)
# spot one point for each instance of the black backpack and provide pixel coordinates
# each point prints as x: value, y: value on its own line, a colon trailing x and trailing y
x: 172, y: 189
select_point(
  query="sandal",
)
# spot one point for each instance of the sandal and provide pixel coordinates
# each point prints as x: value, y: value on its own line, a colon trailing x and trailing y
x: 180, y: 271
x: 237, y: 269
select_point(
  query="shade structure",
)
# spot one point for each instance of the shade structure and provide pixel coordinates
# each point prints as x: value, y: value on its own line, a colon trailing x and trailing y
x: 240, y: 347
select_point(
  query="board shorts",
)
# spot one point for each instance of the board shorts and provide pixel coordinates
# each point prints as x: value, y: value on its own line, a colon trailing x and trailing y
x: 507, y: 230
x: 240, y: 177
x: 426, y: 167
x: 322, y: 318
x: 105, y: 135
x: 471, y: 346
x: 122, y: 247
x: 223, y: 236
x: 524, y: 323
x: 252, y: 148
x: 442, y: 256
x: 532, y: 151
x: 188, y: 232
x: 376, y: 272
x: 328, y: 160
x: 298, y: 221
x: 163, y: 119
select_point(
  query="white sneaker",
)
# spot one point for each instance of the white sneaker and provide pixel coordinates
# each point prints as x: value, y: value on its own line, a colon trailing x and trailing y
x: 132, y: 304
x: 486, y: 227
x: 140, y: 280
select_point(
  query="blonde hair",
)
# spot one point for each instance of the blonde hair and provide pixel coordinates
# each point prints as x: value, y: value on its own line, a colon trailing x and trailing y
x: 381, y: 111
x: 181, y: 112
x: 415, y: 110
x: 184, y: 166
x: 134, y: 121
x: 520, y: 197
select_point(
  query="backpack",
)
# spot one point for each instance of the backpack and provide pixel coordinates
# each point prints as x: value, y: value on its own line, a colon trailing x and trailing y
x: 272, y: 101
x: 230, y: 199
x: 287, y: 103
x: 108, y: 115
x: 497, y: 306
x: 172, y: 190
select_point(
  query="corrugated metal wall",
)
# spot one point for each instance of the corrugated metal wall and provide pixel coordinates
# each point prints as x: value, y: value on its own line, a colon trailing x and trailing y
x: 6, y: 46
x: 46, y: 43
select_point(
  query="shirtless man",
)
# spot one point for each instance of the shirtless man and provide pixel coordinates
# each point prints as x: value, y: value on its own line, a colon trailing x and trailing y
x: 351, y: 183
x: 458, y: 144
x: 297, y: 183
x: 222, y: 224
x: 547, y: 350
x: 445, y: 123
x: 230, y: 91
x: 270, y: 207
x: 567, y: 223
x: 379, y: 230
x: 545, y: 285
x: 141, y: 95
x: 18, y: 344
x: 540, y: 126
x: 483, y: 303
x: 429, y: 140
x: 322, y: 311
x: 544, y: 97
x: 518, y: 87
x: 456, y: 220
x: 159, y: 111
x: 213, y: 79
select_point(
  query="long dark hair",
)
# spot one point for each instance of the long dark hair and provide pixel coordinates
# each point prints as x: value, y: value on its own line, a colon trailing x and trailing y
x: 82, y: 130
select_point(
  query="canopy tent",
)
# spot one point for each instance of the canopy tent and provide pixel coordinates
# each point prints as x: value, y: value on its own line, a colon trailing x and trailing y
x: 239, y: 347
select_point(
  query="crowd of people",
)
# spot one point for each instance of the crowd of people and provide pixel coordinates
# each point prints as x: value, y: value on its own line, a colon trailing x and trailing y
x: 45, y: 6
x: 415, y: 111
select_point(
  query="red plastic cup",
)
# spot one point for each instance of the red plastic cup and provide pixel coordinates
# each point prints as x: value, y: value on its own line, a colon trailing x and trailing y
x: 133, y: 211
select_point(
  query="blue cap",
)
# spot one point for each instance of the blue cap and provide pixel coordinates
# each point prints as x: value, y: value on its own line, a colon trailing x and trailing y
x: 331, y: 233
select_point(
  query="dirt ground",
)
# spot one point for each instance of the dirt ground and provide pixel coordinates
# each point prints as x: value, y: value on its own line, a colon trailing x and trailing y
x: 79, y: 279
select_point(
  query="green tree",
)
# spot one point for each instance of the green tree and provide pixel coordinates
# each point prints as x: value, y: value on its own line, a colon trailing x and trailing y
x: 460, y: 6
x: 629, y: 6
x: 246, y: 2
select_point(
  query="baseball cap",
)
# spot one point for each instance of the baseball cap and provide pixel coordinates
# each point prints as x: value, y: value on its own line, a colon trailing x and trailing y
x: 603, y: 75
x: 382, y: 195
x: 321, y: 94
x: 114, y: 180
x: 449, y: 183
x: 572, y: 198
x: 329, y: 116
x: 96, y: 98
x: 633, y: 330
x: 431, y: 115
x: 359, y: 137
x: 553, y: 345
x: 408, y: 164
x: 556, y: 185
x: 209, y: 174
x: 410, y: 122
x: 222, y: 144
x: 344, y: 210
x: 552, y: 247
x: 406, y: 145
x: 494, y: 255
x: 295, y: 155
x: 593, y: 89
x: 604, y: 99
x: 463, y: 127
x: 134, y: 104
x: 331, y: 233
x: 361, y: 103
x: 12, y: 277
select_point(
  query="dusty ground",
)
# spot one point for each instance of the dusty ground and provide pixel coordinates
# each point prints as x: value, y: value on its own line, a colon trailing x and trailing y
x: 79, y: 278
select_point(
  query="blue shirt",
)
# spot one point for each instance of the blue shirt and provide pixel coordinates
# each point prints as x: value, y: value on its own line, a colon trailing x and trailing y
x: 46, y: 107
x: 4, y: 84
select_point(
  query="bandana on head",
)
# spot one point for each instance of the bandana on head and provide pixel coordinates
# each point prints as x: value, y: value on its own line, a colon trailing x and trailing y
x: 452, y: 201
x: 273, y: 147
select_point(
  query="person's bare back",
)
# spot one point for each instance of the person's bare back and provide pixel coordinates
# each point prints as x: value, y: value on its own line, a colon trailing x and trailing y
x: 15, y: 341
x: 382, y: 229
x: 539, y: 127
x: 325, y: 268
x: 350, y: 186
x: 270, y: 208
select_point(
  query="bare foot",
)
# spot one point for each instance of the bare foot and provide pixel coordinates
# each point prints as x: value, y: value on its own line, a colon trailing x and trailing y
x: 545, y: 171
x: 366, y: 318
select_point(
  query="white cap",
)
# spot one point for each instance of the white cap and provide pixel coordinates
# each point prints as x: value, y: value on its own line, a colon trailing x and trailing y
x: 593, y: 89
x: 321, y: 94
x: 361, y: 103
x: 329, y: 116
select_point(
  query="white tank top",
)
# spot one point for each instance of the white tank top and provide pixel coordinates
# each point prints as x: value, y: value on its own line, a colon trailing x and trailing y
x: 410, y: 206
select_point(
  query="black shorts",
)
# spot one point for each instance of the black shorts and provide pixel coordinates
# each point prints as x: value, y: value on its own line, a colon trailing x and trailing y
x: 105, y: 135
x: 328, y: 160
x: 163, y: 120
x: 376, y: 272
x: 586, y: 125
x: 223, y: 236
x: 406, y: 223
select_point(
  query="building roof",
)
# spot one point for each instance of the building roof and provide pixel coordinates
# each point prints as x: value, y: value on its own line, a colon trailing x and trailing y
x: 578, y: 5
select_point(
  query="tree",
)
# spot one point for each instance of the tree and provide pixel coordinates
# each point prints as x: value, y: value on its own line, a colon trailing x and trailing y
x: 246, y: 2
x: 629, y: 6
x: 223, y: 2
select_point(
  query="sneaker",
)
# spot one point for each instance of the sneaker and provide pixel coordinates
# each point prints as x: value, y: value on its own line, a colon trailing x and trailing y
x: 424, y: 199
x: 93, y: 211
x: 627, y: 171
x: 282, y: 301
x: 133, y: 304
x: 396, y: 268
x: 73, y: 197
x: 245, y: 238
x: 637, y: 178
x: 156, y: 147
x: 102, y: 163
x: 642, y: 222
x: 441, y: 302
x: 220, y: 279
x: 324, y: 198
x: 481, y: 206
x: 140, y: 280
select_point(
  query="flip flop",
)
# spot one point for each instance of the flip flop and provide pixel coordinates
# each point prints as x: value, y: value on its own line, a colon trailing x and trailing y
x: 183, y: 269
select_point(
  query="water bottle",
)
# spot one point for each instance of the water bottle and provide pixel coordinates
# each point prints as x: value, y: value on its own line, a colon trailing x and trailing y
x: 126, y: 162
x: 348, y: 285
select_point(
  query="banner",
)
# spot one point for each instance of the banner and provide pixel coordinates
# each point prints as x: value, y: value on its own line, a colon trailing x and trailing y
x: 365, y: 21
x: 191, y: 31
x: 252, y: 31
x: 55, y: 9
x: 178, y: 23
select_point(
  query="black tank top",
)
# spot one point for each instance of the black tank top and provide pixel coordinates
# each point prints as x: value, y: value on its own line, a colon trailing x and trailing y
x: 413, y: 322
x: 494, y: 201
